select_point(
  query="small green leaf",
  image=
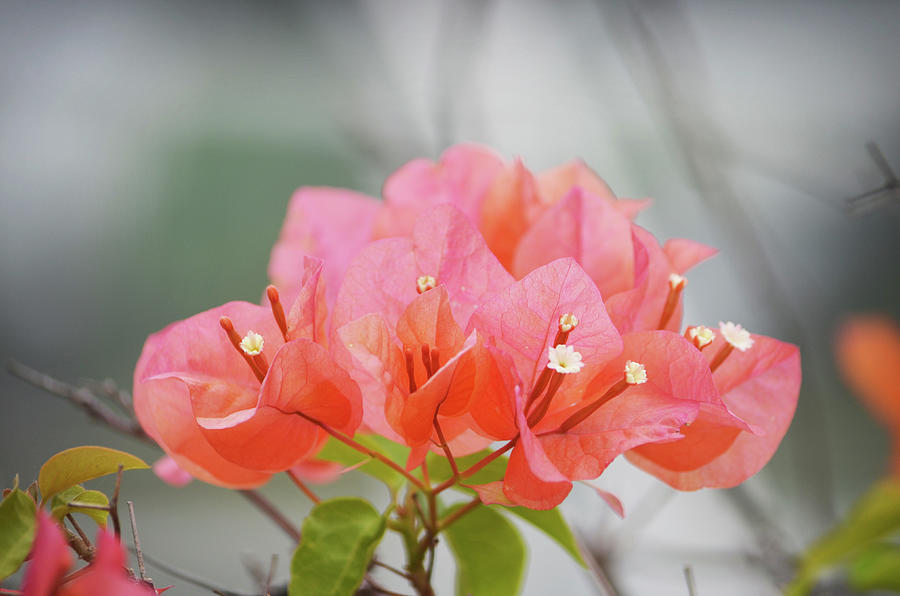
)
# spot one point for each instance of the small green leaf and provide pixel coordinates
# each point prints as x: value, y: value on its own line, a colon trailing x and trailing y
x: 79, y: 464
x: 439, y: 468
x: 553, y: 524
x: 59, y: 507
x: 17, y: 528
x: 339, y: 539
x: 876, y: 568
x: 874, y: 516
x: 338, y: 452
x: 490, y: 554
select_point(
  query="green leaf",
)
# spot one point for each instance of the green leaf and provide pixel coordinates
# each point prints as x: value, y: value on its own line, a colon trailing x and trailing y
x: 554, y: 525
x: 59, y: 507
x: 339, y: 539
x: 17, y: 528
x: 874, y: 516
x: 490, y: 554
x: 876, y: 568
x: 439, y: 468
x: 79, y: 464
x: 338, y: 452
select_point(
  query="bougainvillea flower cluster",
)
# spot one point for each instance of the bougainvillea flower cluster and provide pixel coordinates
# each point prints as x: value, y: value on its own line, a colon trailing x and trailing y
x: 476, y: 306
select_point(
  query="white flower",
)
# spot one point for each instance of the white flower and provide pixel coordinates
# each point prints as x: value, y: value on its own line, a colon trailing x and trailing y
x: 564, y: 359
x: 425, y: 283
x: 567, y: 322
x: 252, y: 344
x: 635, y: 373
x: 701, y: 336
x: 675, y: 280
x: 736, y: 335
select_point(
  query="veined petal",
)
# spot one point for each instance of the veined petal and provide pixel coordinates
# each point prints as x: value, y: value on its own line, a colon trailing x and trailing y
x: 461, y: 177
x: 760, y: 386
x: 587, y: 228
x: 329, y: 223
x: 523, y: 319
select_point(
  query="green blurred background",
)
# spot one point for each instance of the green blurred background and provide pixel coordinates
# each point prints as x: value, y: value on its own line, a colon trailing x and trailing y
x: 148, y: 151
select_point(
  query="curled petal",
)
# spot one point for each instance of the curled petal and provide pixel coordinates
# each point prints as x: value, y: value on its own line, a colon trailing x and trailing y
x: 760, y: 386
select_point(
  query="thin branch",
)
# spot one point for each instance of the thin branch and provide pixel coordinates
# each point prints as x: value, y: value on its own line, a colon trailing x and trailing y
x: 456, y: 515
x: 191, y: 579
x: 302, y: 486
x: 114, y: 502
x: 596, y: 567
x: 264, y: 505
x: 80, y: 396
x: 78, y: 529
x: 392, y: 569
x: 269, y: 577
x: 137, y: 544
x: 689, y: 579
x: 365, y: 450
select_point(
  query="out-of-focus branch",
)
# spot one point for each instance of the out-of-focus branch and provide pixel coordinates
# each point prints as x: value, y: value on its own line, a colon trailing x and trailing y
x: 873, y: 198
x: 82, y: 397
x: 597, y: 567
x: 269, y: 509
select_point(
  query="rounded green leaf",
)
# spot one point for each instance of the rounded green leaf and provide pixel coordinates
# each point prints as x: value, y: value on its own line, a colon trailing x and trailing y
x: 79, y: 464
x: 490, y: 554
x: 339, y: 539
x: 17, y: 528
x: 553, y: 524
x: 66, y: 502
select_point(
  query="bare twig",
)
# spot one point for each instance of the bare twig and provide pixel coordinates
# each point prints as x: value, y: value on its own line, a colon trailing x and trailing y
x: 80, y: 396
x: 873, y: 198
x: 689, y: 579
x: 199, y: 582
x: 137, y: 544
x: 114, y: 502
x: 302, y: 486
x: 78, y: 529
x: 269, y: 577
x: 264, y: 505
x: 596, y: 567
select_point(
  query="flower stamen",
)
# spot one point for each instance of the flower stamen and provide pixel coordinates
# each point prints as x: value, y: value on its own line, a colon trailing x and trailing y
x: 564, y: 359
x: 567, y: 322
x: 277, y: 310
x: 700, y: 336
x: 736, y: 338
x: 425, y: 283
x: 676, y: 286
x: 253, y: 361
x: 410, y: 369
x: 634, y: 374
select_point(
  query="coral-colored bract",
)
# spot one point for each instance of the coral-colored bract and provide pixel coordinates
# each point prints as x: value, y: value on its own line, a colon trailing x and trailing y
x: 868, y: 350
x: 479, y: 302
x: 219, y: 415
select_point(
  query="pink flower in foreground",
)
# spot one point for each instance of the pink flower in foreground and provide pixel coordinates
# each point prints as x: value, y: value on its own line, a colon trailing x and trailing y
x: 400, y: 316
x: 51, y: 559
x: 503, y: 200
x: 868, y: 352
x: 759, y: 380
x: 209, y: 396
x: 573, y: 419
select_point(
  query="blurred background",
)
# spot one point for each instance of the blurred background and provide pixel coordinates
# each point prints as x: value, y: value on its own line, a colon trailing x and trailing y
x: 148, y: 151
